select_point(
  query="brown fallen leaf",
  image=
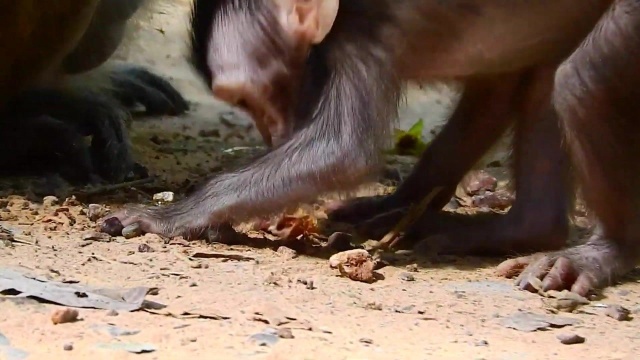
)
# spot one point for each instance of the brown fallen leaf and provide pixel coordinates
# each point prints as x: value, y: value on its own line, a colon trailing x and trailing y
x: 292, y: 227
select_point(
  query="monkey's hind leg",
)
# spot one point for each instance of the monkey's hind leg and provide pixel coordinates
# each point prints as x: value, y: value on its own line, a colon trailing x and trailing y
x: 597, y: 102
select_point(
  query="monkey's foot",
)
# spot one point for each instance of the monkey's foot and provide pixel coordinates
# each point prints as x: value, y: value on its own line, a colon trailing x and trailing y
x: 137, y: 85
x: 169, y: 221
x: 580, y: 269
x: 482, y: 234
x: 362, y: 209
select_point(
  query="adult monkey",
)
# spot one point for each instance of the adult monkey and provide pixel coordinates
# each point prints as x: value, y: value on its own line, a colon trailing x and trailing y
x: 50, y: 99
x: 339, y: 101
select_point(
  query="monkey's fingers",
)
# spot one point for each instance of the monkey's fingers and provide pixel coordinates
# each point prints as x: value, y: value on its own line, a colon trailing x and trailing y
x: 44, y: 144
x: 134, y: 84
x: 362, y: 208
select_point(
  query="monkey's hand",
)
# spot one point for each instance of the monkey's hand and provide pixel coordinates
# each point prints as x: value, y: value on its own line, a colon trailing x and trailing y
x: 43, y: 130
x: 134, y: 85
x: 580, y: 269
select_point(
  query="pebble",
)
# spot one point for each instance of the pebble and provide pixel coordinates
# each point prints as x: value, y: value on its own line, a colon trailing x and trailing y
x: 405, y: 276
x: 50, y: 201
x: 570, y: 339
x: 163, y: 197
x: 132, y: 231
x: 366, y: 340
x: 96, y: 236
x: 62, y: 316
x: 412, y: 267
x: 357, y: 265
x: 618, y: 312
x: 285, y: 333
x: 112, y: 312
x: 67, y: 347
x: 481, y: 343
x: 96, y: 211
x: 145, y: 248
x: 287, y: 252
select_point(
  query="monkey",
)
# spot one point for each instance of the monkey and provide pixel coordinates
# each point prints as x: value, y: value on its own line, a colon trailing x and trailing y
x: 330, y: 78
x: 57, y: 90
x: 597, y: 105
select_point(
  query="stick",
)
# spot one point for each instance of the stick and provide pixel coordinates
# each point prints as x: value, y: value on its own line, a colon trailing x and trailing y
x: 415, y: 211
x: 112, y: 187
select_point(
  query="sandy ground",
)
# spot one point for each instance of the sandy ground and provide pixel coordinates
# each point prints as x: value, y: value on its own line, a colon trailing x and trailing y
x: 258, y: 303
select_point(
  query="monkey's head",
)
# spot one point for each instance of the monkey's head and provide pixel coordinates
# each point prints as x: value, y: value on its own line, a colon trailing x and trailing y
x: 253, y: 54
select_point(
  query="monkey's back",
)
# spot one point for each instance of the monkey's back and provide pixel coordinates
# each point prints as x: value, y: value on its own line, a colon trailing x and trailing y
x: 35, y: 36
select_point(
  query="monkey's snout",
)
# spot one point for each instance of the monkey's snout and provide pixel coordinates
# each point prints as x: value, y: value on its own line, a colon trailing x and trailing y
x: 241, y: 96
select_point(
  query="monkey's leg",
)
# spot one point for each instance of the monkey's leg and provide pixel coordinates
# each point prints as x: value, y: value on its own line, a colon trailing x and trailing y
x: 482, y: 116
x: 538, y: 220
x: 597, y: 102
x: 85, y: 114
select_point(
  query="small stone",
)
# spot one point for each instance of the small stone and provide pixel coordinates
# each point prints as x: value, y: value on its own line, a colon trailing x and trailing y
x: 481, y: 343
x: 373, y: 306
x: 132, y: 231
x: 193, y: 284
x: 412, y: 268
x: 63, y: 316
x: 112, y: 226
x: 67, y: 347
x: 96, y: 236
x: 618, y: 312
x: 96, y: 211
x: 285, y: 333
x: 570, y: 339
x: 309, y: 285
x: 145, y: 248
x: 623, y: 292
x: 112, y: 312
x: 163, y: 197
x: 287, y: 252
x: 405, y: 276
x: 355, y: 264
x: 49, y: 201
x: 366, y: 340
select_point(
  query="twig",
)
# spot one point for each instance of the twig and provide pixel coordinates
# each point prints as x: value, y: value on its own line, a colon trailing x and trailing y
x: 415, y: 211
x: 6, y: 234
x: 111, y: 187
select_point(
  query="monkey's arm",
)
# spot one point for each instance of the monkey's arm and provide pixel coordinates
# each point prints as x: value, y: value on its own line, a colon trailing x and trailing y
x: 339, y: 147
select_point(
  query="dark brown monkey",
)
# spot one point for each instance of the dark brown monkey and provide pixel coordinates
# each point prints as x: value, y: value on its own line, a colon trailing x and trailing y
x: 51, y: 100
x: 334, y: 102
x: 596, y: 95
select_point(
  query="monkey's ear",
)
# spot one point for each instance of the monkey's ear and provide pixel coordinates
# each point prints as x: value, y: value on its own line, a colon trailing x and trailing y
x: 309, y: 20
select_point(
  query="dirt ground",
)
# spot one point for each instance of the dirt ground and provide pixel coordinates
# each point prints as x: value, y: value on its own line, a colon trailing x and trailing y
x: 265, y: 302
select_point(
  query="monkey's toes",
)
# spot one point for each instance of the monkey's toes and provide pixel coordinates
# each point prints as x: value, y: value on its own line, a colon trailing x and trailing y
x: 579, y: 269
